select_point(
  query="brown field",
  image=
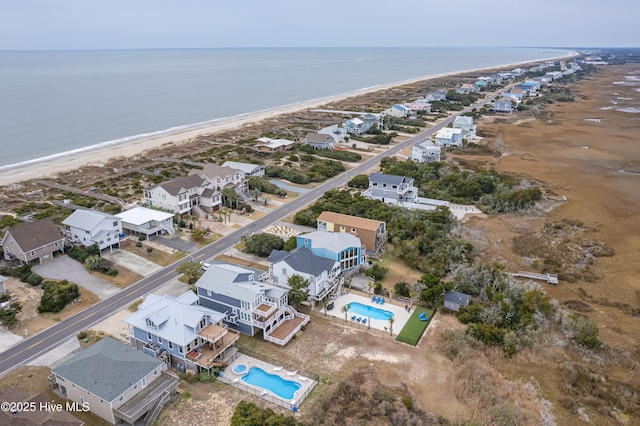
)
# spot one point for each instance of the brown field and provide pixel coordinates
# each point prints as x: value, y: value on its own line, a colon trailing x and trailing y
x: 592, y: 164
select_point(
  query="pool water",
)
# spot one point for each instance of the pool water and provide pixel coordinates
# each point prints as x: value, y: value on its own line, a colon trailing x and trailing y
x: 369, y: 311
x: 271, y: 382
x: 239, y: 368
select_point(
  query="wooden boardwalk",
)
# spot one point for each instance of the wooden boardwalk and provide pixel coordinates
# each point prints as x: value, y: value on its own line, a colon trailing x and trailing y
x: 549, y: 278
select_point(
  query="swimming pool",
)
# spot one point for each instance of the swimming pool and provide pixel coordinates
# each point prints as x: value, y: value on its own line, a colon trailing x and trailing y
x: 370, y: 311
x: 276, y: 384
x: 239, y: 368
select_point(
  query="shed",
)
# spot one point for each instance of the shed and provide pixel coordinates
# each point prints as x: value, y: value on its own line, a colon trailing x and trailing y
x: 455, y: 300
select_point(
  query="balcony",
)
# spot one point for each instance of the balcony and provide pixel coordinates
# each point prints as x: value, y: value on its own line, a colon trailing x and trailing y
x: 265, y: 309
x: 213, y: 332
x: 208, y: 354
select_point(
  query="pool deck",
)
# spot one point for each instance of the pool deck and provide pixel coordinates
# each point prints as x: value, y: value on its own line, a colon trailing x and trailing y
x: 400, y: 315
x: 235, y: 379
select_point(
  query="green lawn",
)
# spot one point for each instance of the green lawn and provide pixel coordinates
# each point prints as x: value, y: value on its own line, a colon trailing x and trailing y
x: 413, y: 329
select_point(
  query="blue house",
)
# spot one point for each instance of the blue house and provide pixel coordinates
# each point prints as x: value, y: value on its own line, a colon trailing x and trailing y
x: 181, y: 332
x: 248, y: 303
x: 339, y: 246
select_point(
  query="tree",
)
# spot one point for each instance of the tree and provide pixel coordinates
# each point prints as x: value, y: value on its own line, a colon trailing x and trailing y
x: 8, y: 315
x: 255, y: 194
x: 225, y: 212
x: 359, y: 181
x: 402, y: 289
x: 263, y: 244
x: 345, y: 309
x: 57, y: 295
x: 230, y: 198
x: 391, y: 321
x: 298, y: 289
x: 290, y: 244
x: 377, y: 272
x: 192, y: 270
x: 92, y: 262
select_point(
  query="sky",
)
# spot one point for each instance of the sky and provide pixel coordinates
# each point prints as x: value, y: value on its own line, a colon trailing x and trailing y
x: 134, y: 24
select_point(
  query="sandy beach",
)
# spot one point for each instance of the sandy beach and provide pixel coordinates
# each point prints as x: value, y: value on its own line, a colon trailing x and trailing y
x: 103, y: 154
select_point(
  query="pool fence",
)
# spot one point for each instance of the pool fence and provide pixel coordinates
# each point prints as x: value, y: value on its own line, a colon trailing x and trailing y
x: 267, y: 396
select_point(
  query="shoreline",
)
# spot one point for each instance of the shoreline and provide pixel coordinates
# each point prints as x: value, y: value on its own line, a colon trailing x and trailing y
x: 104, y: 152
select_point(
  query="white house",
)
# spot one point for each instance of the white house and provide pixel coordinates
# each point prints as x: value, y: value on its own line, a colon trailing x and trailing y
x: 398, y: 110
x: 391, y: 189
x: 221, y: 177
x: 338, y: 133
x: 144, y: 221
x: 425, y: 152
x: 419, y: 105
x: 319, y: 140
x: 248, y: 169
x: 266, y: 145
x: 89, y: 227
x: 448, y: 136
x: 466, y: 124
x: 182, y: 194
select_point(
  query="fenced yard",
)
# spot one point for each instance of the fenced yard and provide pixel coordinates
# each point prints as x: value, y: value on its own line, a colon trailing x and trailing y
x: 415, y: 326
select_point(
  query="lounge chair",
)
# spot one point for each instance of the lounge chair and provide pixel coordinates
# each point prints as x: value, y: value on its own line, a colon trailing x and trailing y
x: 373, y: 299
x: 382, y: 301
x: 364, y: 320
x: 292, y: 373
x: 377, y: 299
x: 353, y: 318
x: 277, y: 368
x: 358, y: 319
x: 302, y: 378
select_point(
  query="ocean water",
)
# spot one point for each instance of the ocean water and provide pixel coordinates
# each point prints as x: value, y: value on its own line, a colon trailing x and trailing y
x: 54, y: 102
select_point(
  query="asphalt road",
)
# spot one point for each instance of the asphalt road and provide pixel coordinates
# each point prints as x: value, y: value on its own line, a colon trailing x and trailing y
x: 37, y: 345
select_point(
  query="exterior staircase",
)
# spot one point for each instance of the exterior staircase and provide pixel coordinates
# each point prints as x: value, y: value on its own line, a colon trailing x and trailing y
x: 152, y: 415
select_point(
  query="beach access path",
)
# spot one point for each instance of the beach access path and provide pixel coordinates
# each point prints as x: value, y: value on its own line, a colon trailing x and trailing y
x: 36, y: 345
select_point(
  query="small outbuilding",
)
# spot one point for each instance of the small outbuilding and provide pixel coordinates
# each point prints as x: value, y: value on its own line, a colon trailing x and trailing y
x: 455, y: 300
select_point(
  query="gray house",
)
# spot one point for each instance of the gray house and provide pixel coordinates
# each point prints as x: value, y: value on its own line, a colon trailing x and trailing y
x: 249, y: 304
x: 115, y: 382
x: 455, y: 300
x: 391, y: 189
x: 319, y: 140
x: 33, y: 240
x: 181, y: 332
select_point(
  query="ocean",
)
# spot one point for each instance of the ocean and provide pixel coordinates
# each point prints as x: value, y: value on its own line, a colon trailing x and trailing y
x: 55, y: 102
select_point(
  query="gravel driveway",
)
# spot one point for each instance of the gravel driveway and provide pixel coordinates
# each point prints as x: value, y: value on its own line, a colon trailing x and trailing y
x: 65, y: 268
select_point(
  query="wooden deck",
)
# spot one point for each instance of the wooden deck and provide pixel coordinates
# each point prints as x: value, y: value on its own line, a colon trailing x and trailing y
x: 142, y: 402
x: 265, y: 310
x: 284, y: 330
x: 212, y: 332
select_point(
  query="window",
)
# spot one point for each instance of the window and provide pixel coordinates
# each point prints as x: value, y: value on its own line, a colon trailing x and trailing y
x: 180, y: 349
x: 170, y: 345
x: 149, y: 336
x: 150, y: 323
x: 115, y: 224
x: 284, y: 271
x: 159, y: 339
x: 353, y: 229
x: 55, y: 244
x: 203, y: 322
x: 121, y: 398
x: 33, y: 253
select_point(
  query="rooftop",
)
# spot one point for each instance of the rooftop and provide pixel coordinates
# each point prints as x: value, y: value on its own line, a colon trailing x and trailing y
x: 142, y: 215
x: 347, y: 220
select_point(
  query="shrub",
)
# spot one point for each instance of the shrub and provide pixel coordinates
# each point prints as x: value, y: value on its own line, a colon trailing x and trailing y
x: 139, y: 244
x: 402, y: 289
x: 142, y: 237
x: 78, y: 254
x: 82, y: 335
x: 263, y: 244
x: 34, y: 279
x: 57, y: 295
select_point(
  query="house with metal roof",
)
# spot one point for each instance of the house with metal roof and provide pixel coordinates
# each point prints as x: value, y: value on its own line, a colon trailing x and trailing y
x: 323, y: 274
x: 144, y: 221
x: 319, y: 140
x: 342, y: 247
x: 448, y: 136
x: 181, y: 332
x: 465, y: 89
x: 115, y: 382
x: 455, y: 300
x: 426, y: 152
x: 90, y: 227
x: 398, y: 110
x: 33, y: 240
x: 249, y: 304
x: 249, y: 169
x: 372, y: 233
x: 503, y: 105
x: 465, y: 123
x: 391, y: 189
x: 336, y: 132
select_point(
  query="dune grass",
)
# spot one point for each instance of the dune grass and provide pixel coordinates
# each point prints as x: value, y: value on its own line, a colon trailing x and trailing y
x: 413, y: 329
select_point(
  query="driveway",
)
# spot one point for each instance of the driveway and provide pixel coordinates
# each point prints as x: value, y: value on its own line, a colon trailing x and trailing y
x: 177, y: 243
x: 133, y: 262
x: 65, y: 268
